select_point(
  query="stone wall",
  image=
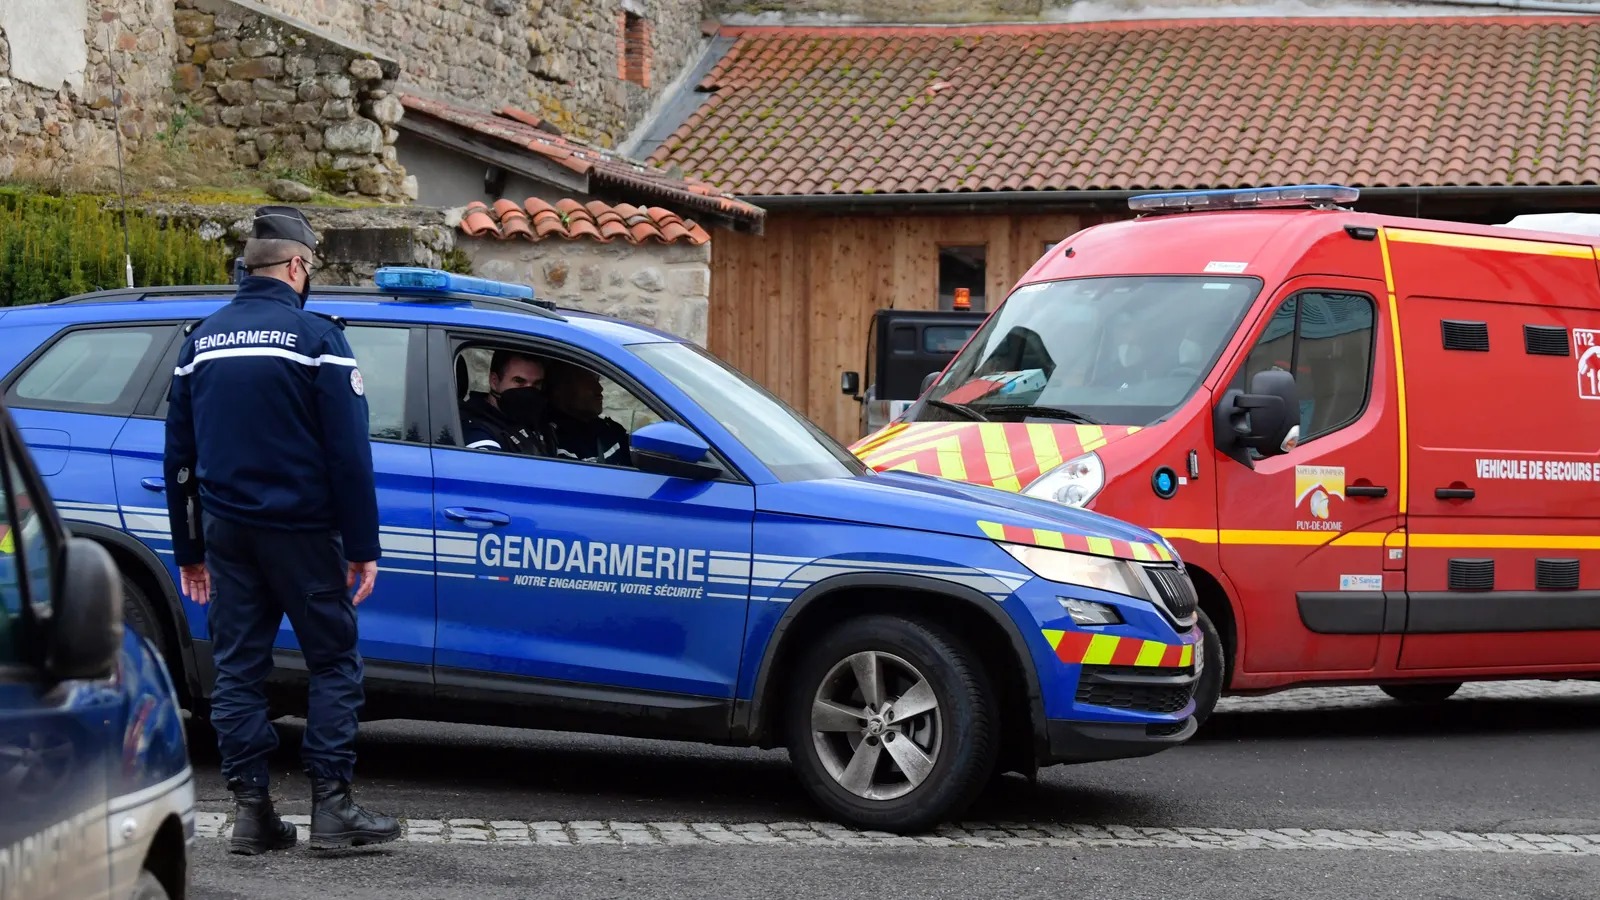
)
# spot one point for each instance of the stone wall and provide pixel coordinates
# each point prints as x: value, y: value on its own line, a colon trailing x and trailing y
x: 666, y: 286
x: 340, y: 17
x: 298, y: 103
x: 353, y: 243
x: 57, y: 59
x: 564, y: 59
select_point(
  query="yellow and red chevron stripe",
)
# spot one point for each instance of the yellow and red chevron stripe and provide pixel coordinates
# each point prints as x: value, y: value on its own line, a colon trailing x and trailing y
x: 1077, y: 648
x: 1005, y: 455
x: 1076, y: 543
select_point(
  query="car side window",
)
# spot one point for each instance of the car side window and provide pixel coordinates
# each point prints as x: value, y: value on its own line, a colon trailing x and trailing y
x: 580, y: 414
x: 98, y: 370
x: 383, y: 354
x: 1326, y: 339
x: 28, y: 546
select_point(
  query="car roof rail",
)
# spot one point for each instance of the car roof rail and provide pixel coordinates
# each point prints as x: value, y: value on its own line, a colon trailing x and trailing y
x: 349, y: 293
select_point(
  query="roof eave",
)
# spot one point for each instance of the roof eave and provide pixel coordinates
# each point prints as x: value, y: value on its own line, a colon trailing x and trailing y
x: 1043, y: 201
x: 596, y: 182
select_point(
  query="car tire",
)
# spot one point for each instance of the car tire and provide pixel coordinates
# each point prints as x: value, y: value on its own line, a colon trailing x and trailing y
x: 149, y: 887
x: 1421, y: 693
x: 914, y: 663
x: 139, y: 615
x: 1213, y: 670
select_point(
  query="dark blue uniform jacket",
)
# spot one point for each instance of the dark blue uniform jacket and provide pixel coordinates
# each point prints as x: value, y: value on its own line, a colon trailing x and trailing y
x: 268, y: 426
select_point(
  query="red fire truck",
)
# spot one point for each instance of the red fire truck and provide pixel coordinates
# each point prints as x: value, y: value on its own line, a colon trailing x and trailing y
x: 1374, y: 441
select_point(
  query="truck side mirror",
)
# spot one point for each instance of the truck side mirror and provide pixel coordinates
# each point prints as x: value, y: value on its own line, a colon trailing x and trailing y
x: 86, y: 619
x: 928, y: 381
x: 850, y: 383
x: 1260, y: 420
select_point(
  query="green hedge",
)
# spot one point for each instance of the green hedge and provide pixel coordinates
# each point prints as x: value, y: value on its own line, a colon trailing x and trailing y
x: 53, y: 247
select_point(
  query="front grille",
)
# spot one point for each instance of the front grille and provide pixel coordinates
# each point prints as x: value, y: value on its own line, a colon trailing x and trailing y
x: 1166, y: 729
x: 1176, y: 591
x: 1153, y: 698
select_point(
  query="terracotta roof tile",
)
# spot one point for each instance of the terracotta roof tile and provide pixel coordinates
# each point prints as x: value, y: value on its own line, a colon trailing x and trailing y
x: 572, y: 220
x: 1148, y: 105
x: 603, y: 169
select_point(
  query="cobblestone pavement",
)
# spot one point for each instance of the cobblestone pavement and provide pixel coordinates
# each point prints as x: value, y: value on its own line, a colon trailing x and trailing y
x: 989, y: 835
x: 1330, y: 698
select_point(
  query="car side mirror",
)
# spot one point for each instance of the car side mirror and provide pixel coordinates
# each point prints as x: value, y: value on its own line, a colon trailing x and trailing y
x: 850, y: 384
x: 86, y: 614
x: 928, y: 381
x: 1261, y: 420
x: 667, y: 448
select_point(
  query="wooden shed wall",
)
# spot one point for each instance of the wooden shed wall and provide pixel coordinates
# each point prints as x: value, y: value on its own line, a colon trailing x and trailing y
x: 791, y: 308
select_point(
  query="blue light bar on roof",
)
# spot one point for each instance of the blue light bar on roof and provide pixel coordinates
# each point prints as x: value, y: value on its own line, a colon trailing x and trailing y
x: 417, y: 280
x: 1312, y: 195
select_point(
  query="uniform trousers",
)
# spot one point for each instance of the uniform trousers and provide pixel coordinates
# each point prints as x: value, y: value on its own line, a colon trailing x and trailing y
x: 260, y: 575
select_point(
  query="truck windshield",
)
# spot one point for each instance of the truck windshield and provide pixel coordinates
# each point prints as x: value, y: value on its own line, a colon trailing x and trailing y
x: 785, y: 442
x: 1124, y: 350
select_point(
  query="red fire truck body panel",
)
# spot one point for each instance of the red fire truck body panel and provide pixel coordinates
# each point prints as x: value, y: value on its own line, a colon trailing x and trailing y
x: 1439, y: 519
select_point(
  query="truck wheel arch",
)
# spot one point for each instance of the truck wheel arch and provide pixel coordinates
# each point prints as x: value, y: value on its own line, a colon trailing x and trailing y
x: 1218, y: 604
x: 830, y: 600
x: 141, y: 564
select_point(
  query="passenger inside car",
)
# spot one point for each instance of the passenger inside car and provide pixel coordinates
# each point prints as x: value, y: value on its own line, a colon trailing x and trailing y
x: 577, y: 405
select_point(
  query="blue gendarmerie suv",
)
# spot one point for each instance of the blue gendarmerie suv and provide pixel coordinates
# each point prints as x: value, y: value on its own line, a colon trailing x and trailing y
x: 96, y: 792
x: 735, y: 576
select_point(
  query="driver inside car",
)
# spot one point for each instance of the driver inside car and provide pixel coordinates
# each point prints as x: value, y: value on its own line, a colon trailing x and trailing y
x: 512, y: 416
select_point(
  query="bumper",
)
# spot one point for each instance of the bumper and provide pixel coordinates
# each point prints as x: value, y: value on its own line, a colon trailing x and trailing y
x: 1081, y: 742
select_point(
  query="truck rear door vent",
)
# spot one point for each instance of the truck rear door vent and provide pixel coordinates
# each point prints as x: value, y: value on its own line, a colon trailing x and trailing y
x: 1460, y: 335
x: 1545, y: 340
x: 1471, y: 574
x: 1556, y: 574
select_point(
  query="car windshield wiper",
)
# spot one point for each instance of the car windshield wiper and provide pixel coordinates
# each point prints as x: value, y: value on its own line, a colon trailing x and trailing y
x: 967, y: 411
x: 1045, y: 412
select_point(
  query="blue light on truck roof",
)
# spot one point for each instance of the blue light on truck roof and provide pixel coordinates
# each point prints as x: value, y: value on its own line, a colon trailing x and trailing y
x: 415, y: 279
x: 1315, y: 195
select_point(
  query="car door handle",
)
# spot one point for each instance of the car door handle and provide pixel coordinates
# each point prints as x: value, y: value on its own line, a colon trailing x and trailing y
x: 153, y: 484
x: 1454, y: 493
x: 1367, y: 490
x: 472, y: 515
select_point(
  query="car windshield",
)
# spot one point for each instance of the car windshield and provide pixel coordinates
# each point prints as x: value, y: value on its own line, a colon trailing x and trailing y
x: 785, y: 442
x: 1125, y: 350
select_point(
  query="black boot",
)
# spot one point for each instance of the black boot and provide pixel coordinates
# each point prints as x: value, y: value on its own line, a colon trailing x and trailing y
x: 256, y: 826
x: 337, y: 821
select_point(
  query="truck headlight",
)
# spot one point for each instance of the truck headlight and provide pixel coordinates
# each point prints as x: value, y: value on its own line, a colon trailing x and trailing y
x: 1099, y: 572
x: 1073, y: 483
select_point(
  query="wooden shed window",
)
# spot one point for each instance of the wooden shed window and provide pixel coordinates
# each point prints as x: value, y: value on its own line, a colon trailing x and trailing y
x: 963, y: 267
x: 633, y: 58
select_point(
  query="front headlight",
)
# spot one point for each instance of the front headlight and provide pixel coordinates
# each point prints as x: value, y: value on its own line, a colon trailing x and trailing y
x: 1099, y: 572
x: 1073, y: 483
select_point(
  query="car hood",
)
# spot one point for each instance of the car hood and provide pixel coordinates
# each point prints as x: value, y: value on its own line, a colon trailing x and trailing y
x: 1004, y: 455
x: 924, y: 503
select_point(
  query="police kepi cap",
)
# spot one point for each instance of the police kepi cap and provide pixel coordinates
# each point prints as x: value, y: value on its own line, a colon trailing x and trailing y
x: 284, y: 223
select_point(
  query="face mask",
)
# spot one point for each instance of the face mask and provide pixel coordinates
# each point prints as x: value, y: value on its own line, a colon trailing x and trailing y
x: 305, y: 290
x: 523, y: 405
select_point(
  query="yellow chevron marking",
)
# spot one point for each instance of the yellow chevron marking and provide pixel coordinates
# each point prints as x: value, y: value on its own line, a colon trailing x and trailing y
x: 1049, y: 539
x: 1101, y: 648
x: 1054, y: 637
x: 1150, y: 654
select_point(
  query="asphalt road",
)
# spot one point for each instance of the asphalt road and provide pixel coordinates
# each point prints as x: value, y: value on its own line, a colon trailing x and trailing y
x: 1333, y: 793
